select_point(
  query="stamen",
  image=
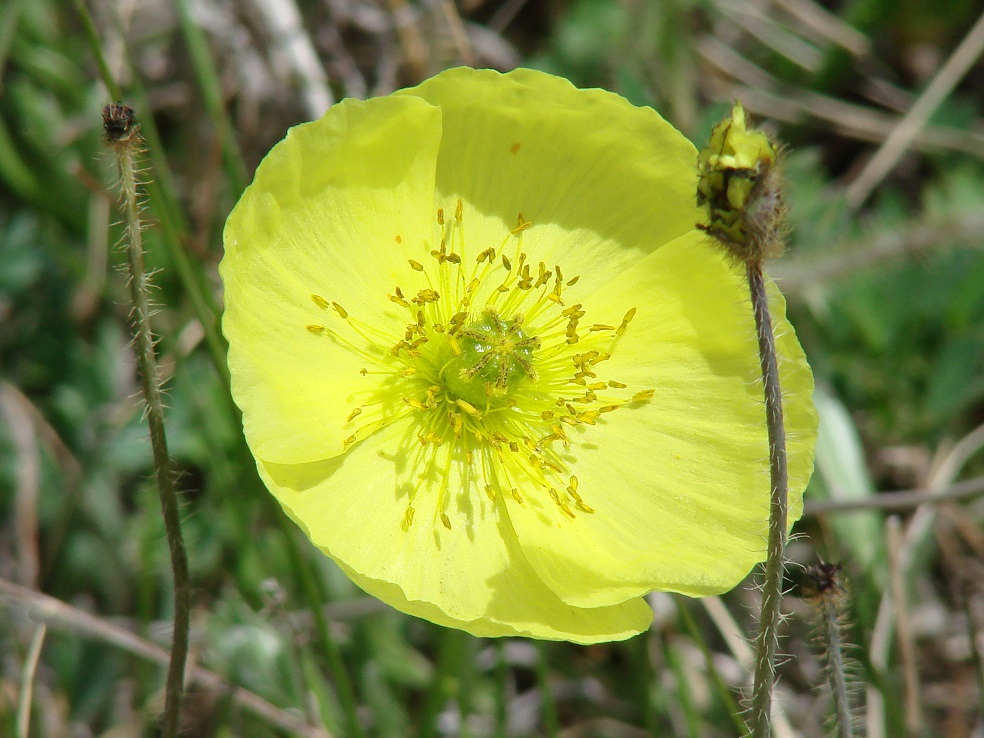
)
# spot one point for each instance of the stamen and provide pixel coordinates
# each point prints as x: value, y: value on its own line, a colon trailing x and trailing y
x: 491, y: 393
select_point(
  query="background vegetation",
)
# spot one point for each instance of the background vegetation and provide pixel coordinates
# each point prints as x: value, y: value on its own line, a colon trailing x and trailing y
x: 880, y: 102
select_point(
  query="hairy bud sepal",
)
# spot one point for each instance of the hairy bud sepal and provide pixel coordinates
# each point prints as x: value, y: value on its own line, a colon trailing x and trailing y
x: 741, y: 187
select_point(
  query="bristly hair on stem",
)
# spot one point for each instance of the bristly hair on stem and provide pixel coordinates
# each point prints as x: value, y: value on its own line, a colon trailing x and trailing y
x: 823, y: 588
x: 741, y: 187
x: 123, y: 137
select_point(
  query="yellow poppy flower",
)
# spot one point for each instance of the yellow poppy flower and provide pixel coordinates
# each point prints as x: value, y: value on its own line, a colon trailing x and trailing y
x: 491, y: 368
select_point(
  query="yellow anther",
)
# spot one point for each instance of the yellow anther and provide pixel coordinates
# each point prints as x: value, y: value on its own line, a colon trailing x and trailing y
x: 506, y: 263
x: 643, y: 396
x: 608, y: 408
x: 415, y: 265
x: 348, y: 441
x: 408, y: 517
x: 459, y: 209
x: 583, y: 507
x: 571, y: 310
x: 353, y: 415
x: 597, y: 386
x: 316, y: 329
x: 625, y: 321
x: 515, y: 495
x: 601, y: 327
x: 408, y: 372
x: 473, y: 285
x: 490, y: 492
x: 340, y: 310
x: 588, y: 416
x: 427, y: 295
x: 446, y: 521
x: 547, y: 414
x: 320, y: 301
x: 440, y: 221
x: 573, y: 280
x: 415, y: 403
x: 454, y: 258
x: 468, y: 408
x: 573, y: 482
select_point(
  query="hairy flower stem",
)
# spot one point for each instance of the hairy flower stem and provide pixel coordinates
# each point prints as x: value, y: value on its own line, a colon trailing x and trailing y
x: 740, y: 183
x: 822, y: 588
x: 836, y: 675
x: 123, y: 137
x: 770, y: 618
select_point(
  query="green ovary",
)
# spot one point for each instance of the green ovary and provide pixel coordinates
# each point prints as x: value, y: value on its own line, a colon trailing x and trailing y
x: 496, y: 357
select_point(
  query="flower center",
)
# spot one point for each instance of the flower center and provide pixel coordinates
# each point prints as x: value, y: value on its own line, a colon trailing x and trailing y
x: 497, y: 396
x: 496, y: 356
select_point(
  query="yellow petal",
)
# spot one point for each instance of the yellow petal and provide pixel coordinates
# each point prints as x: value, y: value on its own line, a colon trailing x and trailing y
x: 322, y: 218
x: 585, y: 167
x: 473, y: 576
x: 679, y: 484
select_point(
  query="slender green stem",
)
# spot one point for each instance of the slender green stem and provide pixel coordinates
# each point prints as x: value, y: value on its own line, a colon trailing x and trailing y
x: 95, y: 45
x: 23, y: 721
x: 333, y: 654
x: 724, y: 693
x: 770, y: 618
x: 501, y: 690
x: 550, y: 723
x: 125, y: 149
x: 644, y: 685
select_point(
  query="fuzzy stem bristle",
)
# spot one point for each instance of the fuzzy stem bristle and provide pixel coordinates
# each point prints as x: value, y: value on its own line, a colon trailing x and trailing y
x: 122, y: 135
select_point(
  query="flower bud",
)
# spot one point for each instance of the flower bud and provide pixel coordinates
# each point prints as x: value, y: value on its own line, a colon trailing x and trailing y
x: 741, y: 187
